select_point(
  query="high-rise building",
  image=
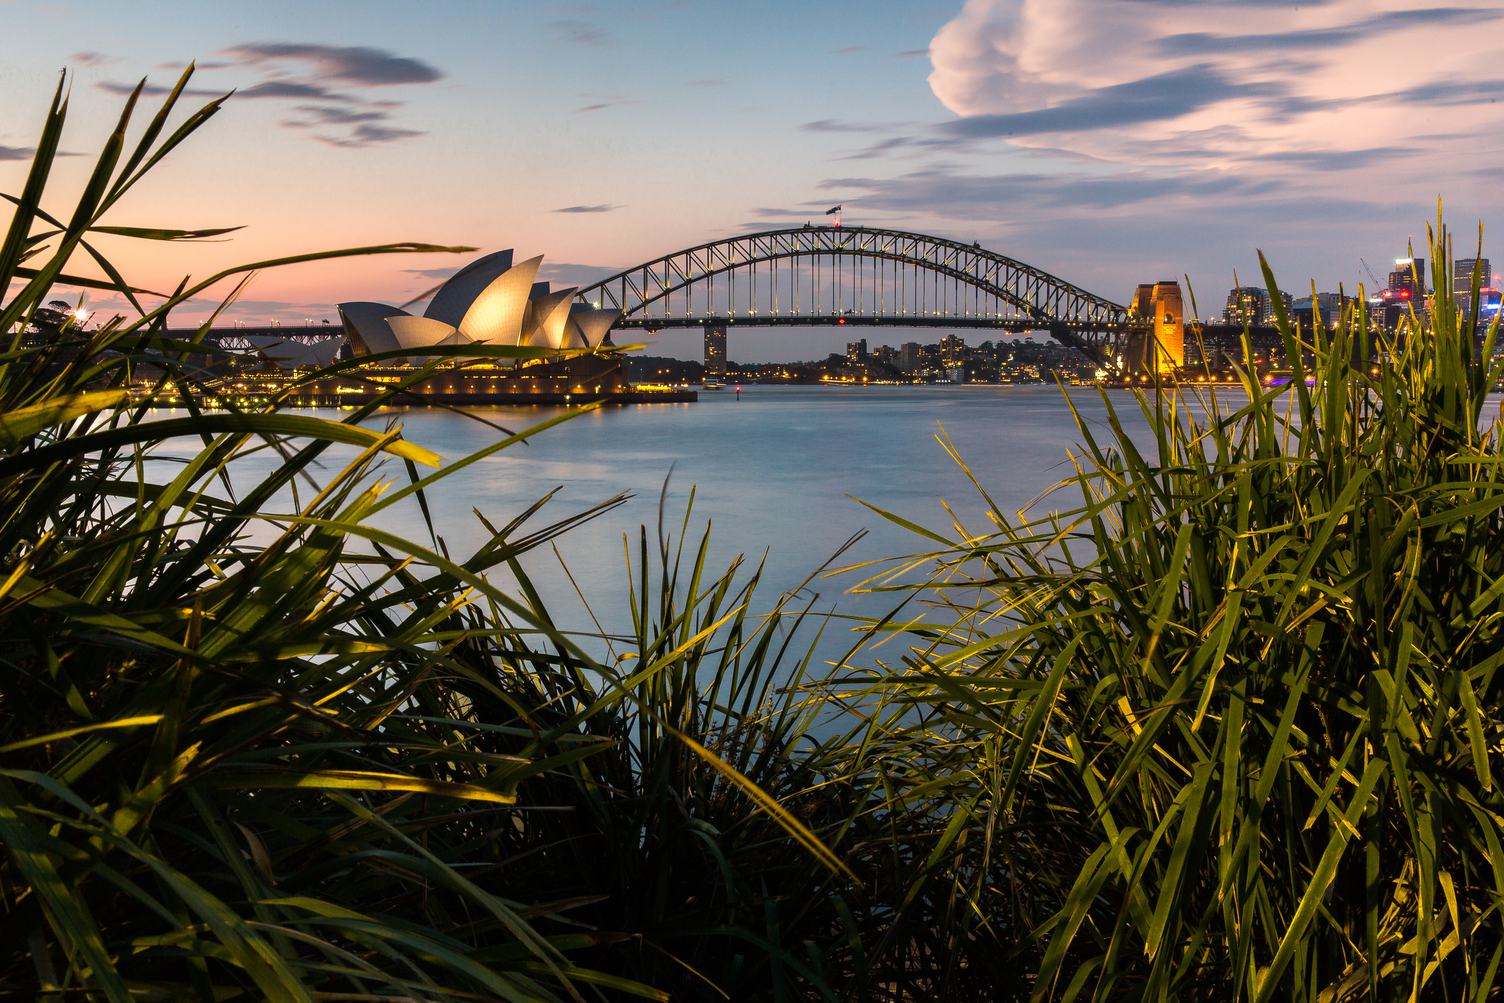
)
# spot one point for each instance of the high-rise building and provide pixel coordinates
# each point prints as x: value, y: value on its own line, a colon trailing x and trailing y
x: 1462, y: 277
x: 952, y: 351
x: 1408, y: 280
x: 1249, y: 305
x: 1327, y: 305
x: 856, y: 351
x: 908, y: 356
x: 715, y: 351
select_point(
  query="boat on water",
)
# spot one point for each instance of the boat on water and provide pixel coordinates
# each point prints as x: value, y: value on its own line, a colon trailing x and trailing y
x: 713, y: 385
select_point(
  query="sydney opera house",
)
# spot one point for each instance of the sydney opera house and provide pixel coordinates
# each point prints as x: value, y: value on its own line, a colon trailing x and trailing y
x: 490, y: 301
x: 493, y: 301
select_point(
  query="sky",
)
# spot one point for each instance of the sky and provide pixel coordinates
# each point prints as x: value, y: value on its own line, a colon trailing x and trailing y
x: 1109, y: 142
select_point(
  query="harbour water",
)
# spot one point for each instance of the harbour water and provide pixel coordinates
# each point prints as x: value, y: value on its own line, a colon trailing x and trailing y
x: 777, y: 472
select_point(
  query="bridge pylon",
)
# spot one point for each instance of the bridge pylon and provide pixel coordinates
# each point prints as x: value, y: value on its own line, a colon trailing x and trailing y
x: 1157, y: 343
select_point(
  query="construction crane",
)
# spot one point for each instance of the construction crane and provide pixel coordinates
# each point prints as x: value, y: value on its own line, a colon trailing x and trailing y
x: 1377, y: 285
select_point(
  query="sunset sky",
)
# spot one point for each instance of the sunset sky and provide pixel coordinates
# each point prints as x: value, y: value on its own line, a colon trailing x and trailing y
x: 1108, y: 141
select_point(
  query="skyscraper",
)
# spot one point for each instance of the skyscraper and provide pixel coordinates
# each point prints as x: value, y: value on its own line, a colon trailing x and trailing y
x: 715, y: 351
x: 1326, y: 305
x: 1246, y: 305
x: 1462, y: 278
x: 1408, y: 280
x: 952, y: 351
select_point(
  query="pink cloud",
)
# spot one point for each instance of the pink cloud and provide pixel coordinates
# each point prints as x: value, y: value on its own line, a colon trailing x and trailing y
x: 1219, y: 85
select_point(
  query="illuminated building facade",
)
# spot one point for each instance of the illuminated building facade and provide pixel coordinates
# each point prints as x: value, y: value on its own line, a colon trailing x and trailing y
x: 1462, y: 276
x: 715, y: 351
x: 1488, y: 289
x: 952, y: 352
x: 1408, y: 280
x: 589, y: 377
x: 856, y: 351
x: 1164, y: 350
x: 493, y: 301
x: 1251, y: 306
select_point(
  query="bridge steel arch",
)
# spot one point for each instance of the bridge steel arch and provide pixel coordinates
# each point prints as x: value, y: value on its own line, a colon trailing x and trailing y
x: 1035, y: 298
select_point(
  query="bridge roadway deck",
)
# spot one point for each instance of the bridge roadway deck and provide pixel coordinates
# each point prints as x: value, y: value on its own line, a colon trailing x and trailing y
x: 1010, y: 324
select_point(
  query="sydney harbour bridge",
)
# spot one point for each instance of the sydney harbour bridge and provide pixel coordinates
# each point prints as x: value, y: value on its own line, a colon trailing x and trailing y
x: 828, y: 276
x: 831, y: 276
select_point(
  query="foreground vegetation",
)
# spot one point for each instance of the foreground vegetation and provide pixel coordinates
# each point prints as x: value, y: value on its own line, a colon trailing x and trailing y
x: 1220, y: 723
x: 1226, y: 726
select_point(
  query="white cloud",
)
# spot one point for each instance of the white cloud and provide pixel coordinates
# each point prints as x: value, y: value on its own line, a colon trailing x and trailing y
x: 1221, y: 85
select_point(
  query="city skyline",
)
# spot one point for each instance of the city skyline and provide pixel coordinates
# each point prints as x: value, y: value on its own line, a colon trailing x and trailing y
x: 1110, y: 144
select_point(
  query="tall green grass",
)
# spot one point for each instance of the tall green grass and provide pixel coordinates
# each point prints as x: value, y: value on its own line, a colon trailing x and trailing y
x: 210, y: 788
x: 254, y: 747
x: 1225, y: 723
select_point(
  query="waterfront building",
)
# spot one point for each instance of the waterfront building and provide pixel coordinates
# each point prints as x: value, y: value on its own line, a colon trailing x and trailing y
x: 1407, y: 281
x: 856, y: 351
x: 952, y: 352
x: 715, y: 351
x: 1245, y: 305
x: 909, y: 356
x: 1251, y: 306
x: 1462, y: 280
x: 1327, y: 306
x: 1330, y: 305
x: 494, y: 301
x: 1488, y: 289
x: 491, y: 301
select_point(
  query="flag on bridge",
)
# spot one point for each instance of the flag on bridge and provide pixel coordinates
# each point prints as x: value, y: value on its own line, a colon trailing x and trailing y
x: 836, y: 212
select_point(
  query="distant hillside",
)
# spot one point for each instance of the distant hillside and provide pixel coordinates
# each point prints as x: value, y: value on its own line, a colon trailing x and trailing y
x: 658, y: 368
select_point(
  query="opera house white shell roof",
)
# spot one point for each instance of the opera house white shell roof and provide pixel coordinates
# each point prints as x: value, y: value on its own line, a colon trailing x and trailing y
x: 592, y: 325
x: 550, y: 321
x: 492, y: 301
x: 454, y: 297
x: 420, y: 332
x: 367, y: 329
x: 497, y: 313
